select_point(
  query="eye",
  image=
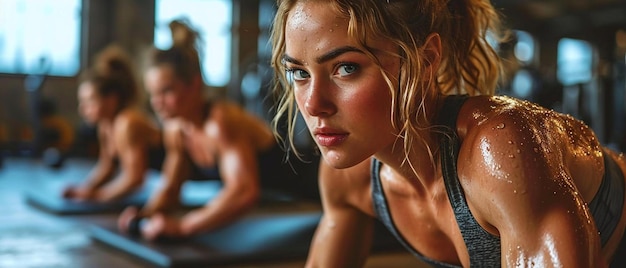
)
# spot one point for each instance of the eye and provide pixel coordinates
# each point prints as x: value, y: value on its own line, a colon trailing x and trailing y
x: 296, y: 75
x: 347, y: 69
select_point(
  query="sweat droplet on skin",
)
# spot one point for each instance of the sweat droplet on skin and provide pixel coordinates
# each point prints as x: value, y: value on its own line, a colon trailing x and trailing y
x: 500, y: 126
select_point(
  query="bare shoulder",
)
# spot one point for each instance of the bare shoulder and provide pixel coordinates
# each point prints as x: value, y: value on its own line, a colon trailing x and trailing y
x: 131, y: 118
x: 515, y: 152
x: 347, y: 187
x: 173, y: 134
x: 133, y: 126
x: 225, y: 111
x: 224, y: 114
x: 230, y: 123
x: 506, y: 132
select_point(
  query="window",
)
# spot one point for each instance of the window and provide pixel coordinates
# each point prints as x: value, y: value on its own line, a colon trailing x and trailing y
x: 574, y: 61
x: 40, y: 37
x: 212, y: 19
x: 525, y: 48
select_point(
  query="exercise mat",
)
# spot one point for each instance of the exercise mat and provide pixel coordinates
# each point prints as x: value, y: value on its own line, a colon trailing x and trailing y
x: 46, y: 194
x: 268, y: 237
x: 258, y: 238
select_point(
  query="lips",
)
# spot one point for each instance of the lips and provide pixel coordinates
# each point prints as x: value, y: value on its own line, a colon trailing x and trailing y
x: 329, y: 138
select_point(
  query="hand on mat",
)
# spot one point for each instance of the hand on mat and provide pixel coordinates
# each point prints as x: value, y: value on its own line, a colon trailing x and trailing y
x: 161, y: 226
x: 77, y: 193
x: 124, y: 220
x: 157, y: 226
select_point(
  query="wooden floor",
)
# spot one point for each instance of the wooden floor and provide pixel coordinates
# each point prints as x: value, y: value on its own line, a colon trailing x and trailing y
x: 30, y: 237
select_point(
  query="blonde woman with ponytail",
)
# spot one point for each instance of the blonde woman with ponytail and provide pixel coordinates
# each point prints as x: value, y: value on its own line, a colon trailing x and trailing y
x: 399, y: 97
x: 108, y: 97
x: 213, y: 138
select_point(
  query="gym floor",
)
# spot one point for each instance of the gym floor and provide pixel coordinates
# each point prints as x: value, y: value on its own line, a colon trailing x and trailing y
x: 30, y: 237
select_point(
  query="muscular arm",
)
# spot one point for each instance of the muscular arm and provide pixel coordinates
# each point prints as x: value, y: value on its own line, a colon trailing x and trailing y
x: 241, y: 189
x: 518, y: 184
x: 99, y: 175
x: 175, y: 171
x: 129, y: 136
x: 344, y: 236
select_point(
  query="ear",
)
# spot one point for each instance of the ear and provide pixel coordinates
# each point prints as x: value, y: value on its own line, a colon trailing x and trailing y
x: 432, y: 53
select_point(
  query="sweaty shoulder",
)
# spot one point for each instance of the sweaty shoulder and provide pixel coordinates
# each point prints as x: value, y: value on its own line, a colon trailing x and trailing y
x: 501, y: 128
x: 512, y: 147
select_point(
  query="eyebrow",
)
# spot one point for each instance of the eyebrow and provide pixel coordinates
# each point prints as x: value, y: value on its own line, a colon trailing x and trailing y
x: 326, y: 57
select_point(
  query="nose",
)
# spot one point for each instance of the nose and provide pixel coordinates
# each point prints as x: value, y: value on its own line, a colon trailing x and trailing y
x: 319, y: 99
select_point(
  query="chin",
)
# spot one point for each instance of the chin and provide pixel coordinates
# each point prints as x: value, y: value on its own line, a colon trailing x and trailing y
x: 338, y: 161
x: 164, y: 116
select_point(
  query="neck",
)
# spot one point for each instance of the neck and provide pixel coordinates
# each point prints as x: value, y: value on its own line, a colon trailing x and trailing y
x: 417, y: 167
x: 420, y: 164
x: 196, y: 113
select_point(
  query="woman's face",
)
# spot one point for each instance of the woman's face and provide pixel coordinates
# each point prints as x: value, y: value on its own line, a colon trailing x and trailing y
x: 166, y: 91
x: 91, y: 106
x: 340, y: 91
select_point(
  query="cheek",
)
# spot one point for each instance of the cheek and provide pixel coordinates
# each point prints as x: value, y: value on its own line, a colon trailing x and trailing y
x: 299, y: 98
x: 170, y: 101
x: 90, y: 111
x: 375, y: 106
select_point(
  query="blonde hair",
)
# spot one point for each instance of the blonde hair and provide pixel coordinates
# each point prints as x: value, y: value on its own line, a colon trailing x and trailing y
x: 469, y: 65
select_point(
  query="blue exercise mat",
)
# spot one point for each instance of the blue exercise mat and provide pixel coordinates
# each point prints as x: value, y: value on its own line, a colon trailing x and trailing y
x: 48, y: 196
x: 268, y: 237
x: 252, y: 239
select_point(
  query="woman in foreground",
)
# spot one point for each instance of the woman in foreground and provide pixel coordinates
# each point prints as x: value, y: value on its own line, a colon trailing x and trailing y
x: 399, y: 96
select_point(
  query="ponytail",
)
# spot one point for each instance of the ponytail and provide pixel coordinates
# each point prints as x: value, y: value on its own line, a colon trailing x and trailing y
x: 183, y: 57
x: 113, y: 74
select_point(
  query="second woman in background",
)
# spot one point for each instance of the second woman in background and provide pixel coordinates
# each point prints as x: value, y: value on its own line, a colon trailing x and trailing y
x: 209, y: 135
x: 108, y: 98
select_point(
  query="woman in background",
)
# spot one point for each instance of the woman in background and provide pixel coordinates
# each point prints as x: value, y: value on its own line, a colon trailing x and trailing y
x: 215, y: 136
x: 108, y: 97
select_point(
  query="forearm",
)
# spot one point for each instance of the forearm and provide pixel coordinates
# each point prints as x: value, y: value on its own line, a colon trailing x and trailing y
x: 227, y: 206
x: 99, y: 175
x: 167, y: 195
x: 119, y: 187
x: 162, y: 200
x: 340, y: 244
